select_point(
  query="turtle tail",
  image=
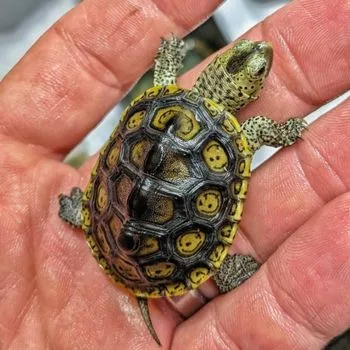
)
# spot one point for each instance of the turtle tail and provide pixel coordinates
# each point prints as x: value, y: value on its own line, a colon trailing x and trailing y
x: 143, y: 305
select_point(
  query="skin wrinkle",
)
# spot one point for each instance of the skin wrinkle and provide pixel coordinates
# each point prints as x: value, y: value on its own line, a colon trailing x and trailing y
x: 277, y: 291
x: 308, y: 95
x: 221, y: 331
x: 318, y: 191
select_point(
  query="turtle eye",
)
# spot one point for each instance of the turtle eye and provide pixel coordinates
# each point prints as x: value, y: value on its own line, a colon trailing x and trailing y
x: 261, y: 71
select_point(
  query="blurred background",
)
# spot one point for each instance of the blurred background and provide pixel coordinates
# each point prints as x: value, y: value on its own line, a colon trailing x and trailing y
x: 23, y: 21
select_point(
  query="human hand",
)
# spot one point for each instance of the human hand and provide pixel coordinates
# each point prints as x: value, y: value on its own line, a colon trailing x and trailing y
x: 53, y: 293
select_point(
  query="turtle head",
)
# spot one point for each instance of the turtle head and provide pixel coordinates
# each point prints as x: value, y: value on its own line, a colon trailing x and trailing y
x: 248, y: 64
x: 237, y: 76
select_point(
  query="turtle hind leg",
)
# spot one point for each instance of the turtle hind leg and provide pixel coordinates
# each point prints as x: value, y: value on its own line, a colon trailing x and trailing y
x: 143, y: 305
x: 71, y: 206
x: 168, y: 61
x: 261, y: 130
x: 234, y: 270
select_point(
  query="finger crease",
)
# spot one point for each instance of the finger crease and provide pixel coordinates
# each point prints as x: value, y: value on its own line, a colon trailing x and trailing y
x: 279, y: 293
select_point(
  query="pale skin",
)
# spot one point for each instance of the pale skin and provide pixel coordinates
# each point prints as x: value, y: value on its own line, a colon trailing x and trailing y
x: 296, y: 220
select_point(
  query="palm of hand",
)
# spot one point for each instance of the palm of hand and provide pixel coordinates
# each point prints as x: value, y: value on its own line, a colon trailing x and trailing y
x: 53, y: 293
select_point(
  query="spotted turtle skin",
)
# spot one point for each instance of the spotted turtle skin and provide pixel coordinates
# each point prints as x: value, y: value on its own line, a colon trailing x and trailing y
x: 166, y: 194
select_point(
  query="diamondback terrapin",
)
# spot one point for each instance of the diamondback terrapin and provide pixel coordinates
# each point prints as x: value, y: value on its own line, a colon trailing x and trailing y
x: 166, y: 195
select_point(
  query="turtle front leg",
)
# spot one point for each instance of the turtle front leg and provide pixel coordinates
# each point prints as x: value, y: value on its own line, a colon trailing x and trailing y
x: 71, y: 206
x: 235, y: 270
x: 168, y: 61
x: 261, y: 130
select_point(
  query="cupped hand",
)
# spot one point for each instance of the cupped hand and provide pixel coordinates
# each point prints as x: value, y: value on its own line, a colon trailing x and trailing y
x: 297, y: 217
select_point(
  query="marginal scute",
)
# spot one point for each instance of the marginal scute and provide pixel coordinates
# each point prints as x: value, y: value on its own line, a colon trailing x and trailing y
x: 244, y: 167
x: 242, y: 147
x: 236, y: 211
x: 126, y: 269
x: 190, y: 242
x: 198, y: 276
x: 86, y: 217
x: 102, y: 240
x: 212, y: 107
x: 239, y: 188
x: 160, y: 270
x: 171, y: 90
x: 218, y: 255
x: 230, y: 124
x: 208, y: 202
x: 174, y: 289
x: 215, y: 157
x: 227, y: 232
x: 87, y: 195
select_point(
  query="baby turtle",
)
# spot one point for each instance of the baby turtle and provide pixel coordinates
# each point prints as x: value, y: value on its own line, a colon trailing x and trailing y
x: 166, y: 195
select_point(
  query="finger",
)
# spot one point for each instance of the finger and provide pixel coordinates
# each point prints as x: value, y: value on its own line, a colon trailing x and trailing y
x: 298, y: 300
x: 84, y: 64
x: 311, y: 55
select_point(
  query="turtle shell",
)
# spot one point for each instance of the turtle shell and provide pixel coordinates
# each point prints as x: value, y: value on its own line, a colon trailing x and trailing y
x: 166, y: 194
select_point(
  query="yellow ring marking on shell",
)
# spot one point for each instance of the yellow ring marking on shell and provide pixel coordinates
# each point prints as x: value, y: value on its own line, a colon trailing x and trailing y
x: 239, y: 188
x: 212, y: 107
x: 95, y: 167
x: 242, y: 146
x: 113, y: 156
x: 244, y: 167
x: 208, y: 202
x: 134, y: 122
x: 85, y: 217
x: 236, y: 211
x: 230, y: 124
x: 149, y: 246
x: 174, y: 289
x: 153, y: 91
x: 189, y: 243
x: 186, y: 127
x: 93, y: 246
x: 218, y: 255
x: 126, y: 270
x: 171, y: 90
x: 227, y: 233
x: 160, y: 270
x: 139, y: 152
x: 198, y: 276
x: 102, y: 198
x: 87, y: 195
x: 215, y: 157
